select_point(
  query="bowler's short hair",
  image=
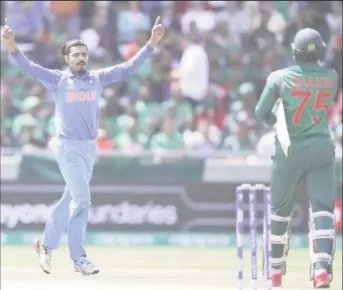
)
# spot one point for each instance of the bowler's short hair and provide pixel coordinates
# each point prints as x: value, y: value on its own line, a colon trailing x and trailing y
x: 69, y: 44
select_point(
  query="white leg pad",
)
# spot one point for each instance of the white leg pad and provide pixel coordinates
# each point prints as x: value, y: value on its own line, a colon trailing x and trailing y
x: 320, y: 234
x: 281, y: 240
x: 280, y: 218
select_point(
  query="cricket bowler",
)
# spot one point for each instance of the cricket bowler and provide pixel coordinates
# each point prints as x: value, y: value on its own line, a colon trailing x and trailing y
x: 304, y: 152
x: 76, y: 92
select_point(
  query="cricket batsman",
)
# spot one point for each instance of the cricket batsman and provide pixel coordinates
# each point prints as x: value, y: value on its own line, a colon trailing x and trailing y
x: 304, y: 153
x: 76, y: 92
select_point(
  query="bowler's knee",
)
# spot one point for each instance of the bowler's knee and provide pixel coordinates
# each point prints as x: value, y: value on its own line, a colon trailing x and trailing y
x: 80, y: 207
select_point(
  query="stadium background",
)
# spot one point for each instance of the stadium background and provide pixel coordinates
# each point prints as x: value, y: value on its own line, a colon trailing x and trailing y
x: 171, y: 148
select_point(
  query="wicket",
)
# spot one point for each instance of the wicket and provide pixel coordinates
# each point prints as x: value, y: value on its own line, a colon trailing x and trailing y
x: 266, y: 244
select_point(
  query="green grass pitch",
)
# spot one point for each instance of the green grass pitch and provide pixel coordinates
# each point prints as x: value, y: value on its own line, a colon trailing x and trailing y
x: 148, y: 269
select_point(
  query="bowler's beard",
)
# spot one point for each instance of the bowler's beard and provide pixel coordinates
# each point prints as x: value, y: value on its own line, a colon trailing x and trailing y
x: 79, y: 70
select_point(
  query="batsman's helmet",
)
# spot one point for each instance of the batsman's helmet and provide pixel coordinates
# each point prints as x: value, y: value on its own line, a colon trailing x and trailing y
x: 308, y: 46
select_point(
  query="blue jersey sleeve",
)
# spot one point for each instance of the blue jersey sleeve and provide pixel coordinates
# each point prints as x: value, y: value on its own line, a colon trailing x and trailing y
x: 121, y: 71
x: 35, y: 71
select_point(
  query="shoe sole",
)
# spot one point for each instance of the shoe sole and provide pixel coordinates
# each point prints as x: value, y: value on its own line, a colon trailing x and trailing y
x: 322, y: 285
x: 86, y: 274
x: 36, y: 247
x: 277, y: 285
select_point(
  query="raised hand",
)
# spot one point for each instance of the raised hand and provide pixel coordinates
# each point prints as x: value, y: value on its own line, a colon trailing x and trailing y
x: 9, y: 37
x: 157, y: 32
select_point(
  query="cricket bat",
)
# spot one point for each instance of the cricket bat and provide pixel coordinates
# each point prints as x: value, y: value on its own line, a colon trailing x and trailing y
x: 281, y: 128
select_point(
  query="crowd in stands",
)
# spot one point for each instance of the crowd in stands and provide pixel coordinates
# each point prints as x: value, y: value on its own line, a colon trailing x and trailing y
x: 197, y: 92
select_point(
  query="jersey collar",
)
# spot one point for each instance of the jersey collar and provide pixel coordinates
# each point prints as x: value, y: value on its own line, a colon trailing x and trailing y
x: 309, y: 65
x: 68, y: 73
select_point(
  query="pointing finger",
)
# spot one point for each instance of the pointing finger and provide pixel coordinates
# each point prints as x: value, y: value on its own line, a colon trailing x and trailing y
x: 158, y: 20
x: 6, y: 21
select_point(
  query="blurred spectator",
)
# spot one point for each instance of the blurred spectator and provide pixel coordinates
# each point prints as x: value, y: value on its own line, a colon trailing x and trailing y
x: 198, y: 90
x: 27, y: 20
x: 86, y: 12
x: 243, y: 137
x: 334, y: 55
x: 103, y: 142
x: 336, y: 116
x: 123, y: 121
x: 272, y: 19
x: 27, y: 135
x: 262, y: 38
x: 152, y: 8
x: 130, y: 21
x: 193, y: 71
x: 148, y: 110
x: 334, y: 17
x: 242, y: 108
x: 205, y: 139
x: 131, y: 140
x: 34, y: 112
x: 160, y: 75
x: 5, y: 141
x: 109, y: 111
x: 197, y: 15
x: 206, y: 111
x: 237, y: 19
x: 183, y: 112
x: 167, y: 138
x: 64, y: 18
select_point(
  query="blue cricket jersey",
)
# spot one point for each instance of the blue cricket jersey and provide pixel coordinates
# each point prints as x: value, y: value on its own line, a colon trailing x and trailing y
x: 76, y: 98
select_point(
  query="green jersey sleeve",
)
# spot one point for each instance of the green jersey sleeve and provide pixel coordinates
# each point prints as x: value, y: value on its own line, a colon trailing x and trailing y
x: 269, y: 96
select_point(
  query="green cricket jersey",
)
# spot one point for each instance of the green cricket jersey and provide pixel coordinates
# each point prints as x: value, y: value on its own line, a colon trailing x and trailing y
x: 308, y: 93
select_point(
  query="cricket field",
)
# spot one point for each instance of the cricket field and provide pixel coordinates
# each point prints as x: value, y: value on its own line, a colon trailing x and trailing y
x: 148, y: 269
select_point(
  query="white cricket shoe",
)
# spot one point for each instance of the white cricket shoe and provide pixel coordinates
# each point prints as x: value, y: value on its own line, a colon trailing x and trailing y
x: 85, y: 267
x: 44, y: 255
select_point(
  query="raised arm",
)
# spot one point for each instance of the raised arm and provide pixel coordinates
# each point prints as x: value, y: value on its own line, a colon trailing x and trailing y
x: 28, y: 67
x: 118, y: 72
x: 121, y: 71
x: 267, y: 101
x: 34, y: 70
